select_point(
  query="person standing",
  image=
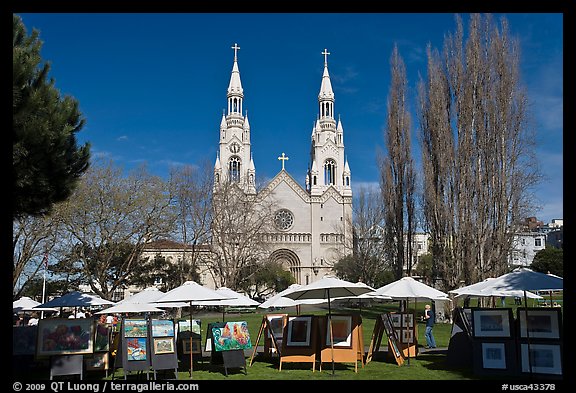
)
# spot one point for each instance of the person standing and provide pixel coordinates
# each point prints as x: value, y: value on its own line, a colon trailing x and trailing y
x: 430, y: 319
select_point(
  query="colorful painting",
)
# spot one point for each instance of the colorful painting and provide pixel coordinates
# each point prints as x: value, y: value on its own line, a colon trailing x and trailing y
x: 24, y: 340
x: 163, y: 345
x: 298, y: 331
x: 135, y: 328
x: 341, y: 331
x: 102, y: 337
x: 136, y: 349
x: 184, y: 326
x: 234, y: 335
x: 162, y: 328
x: 58, y: 336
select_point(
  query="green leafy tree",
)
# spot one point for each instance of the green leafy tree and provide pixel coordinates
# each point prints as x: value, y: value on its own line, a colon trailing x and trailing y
x: 549, y: 260
x: 267, y: 279
x: 47, y: 162
x: 351, y: 268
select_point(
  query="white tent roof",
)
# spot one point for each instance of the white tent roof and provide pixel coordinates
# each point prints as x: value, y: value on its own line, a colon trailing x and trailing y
x: 409, y: 288
x: 279, y: 300
x: 235, y: 299
x: 27, y: 304
x: 329, y: 288
x: 484, y: 289
x: 130, y: 308
x: 524, y: 279
x: 191, y: 292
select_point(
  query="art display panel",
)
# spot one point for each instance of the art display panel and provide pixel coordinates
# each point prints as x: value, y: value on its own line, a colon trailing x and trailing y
x: 162, y: 328
x: 341, y: 331
x: 136, y: 349
x: 234, y: 335
x: 494, y: 355
x: 59, y: 336
x: 135, y: 328
x: 298, y: 331
x: 544, y: 358
x: 492, y: 322
x: 196, y: 346
x: 24, y: 340
x: 396, y: 319
x: 537, y: 323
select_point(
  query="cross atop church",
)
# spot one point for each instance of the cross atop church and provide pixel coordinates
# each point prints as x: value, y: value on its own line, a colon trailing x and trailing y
x: 283, y: 158
x: 235, y: 47
x: 325, y: 53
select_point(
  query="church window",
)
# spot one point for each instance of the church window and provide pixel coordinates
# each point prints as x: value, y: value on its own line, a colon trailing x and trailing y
x: 329, y: 171
x: 347, y: 181
x: 283, y: 219
x: 234, y: 169
x: 314, y: 180
x: 217, y: 178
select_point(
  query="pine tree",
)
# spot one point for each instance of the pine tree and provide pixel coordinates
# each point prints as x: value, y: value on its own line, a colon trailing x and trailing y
x: 47, y: 162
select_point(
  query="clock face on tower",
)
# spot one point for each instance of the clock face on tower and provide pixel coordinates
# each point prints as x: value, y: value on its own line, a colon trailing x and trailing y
x: 235, y: 148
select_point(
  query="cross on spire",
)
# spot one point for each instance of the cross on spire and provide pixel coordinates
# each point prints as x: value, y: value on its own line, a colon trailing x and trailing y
x: 283, y: 158
x: 325, y: 53
x: 235, y: 47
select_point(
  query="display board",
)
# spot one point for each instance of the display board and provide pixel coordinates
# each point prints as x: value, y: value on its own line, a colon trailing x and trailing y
x: 299, y: 340
x: 163, y: 346
x: 406, y: 330
x: 134, y: 345
x: 348, y: 343
x: 229, y: 340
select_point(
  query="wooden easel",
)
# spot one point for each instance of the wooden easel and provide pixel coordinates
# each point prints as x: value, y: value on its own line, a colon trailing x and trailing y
x: 384, y: 324
x: 343, y: 354
x: 270, y: 342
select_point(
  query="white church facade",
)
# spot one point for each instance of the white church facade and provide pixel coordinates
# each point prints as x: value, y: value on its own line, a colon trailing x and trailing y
x: 312, y: 223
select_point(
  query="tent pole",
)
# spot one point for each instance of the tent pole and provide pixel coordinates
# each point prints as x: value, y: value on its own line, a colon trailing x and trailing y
x: 528, y: 333
x: 331, y: 336
x: 191, y: 347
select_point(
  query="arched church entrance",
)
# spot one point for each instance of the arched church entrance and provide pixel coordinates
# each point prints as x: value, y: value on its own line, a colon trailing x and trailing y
x: 289, y: 260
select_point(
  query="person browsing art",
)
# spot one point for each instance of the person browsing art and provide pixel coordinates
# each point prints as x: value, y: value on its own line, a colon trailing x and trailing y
x: 430, y: 318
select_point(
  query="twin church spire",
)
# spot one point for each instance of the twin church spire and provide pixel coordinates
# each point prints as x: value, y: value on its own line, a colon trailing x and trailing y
x: 234, y: 161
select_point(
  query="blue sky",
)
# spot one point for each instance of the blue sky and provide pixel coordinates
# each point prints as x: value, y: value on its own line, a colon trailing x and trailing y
x: 152, y: 86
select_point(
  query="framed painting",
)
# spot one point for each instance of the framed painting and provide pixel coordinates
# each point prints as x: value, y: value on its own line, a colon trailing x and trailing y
x: 163, y: 345
x: 24, y: 340
x: 135, y: 328
x: 388, y: 327
x: 162, y: 328
x: 407, y: 336
x: 396, y: 319
x: 541, y: 358
x: 276, y: 323
x: 184, y: 326
x: 468, y: 318
x: 102, y: 336
x: 196, y: 346
x: 98, y: 361
x: 492, y: 322
x: 341, y: 331
x: 136, y: 349
x: 234, y: 335
x: 408, y: 320
x: 494, y: 355
x: 298, y: 331
x: 538, y: 323
x: 59, y: 336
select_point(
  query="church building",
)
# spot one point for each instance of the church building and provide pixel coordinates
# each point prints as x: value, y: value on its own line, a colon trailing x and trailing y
x: 313, y: 224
